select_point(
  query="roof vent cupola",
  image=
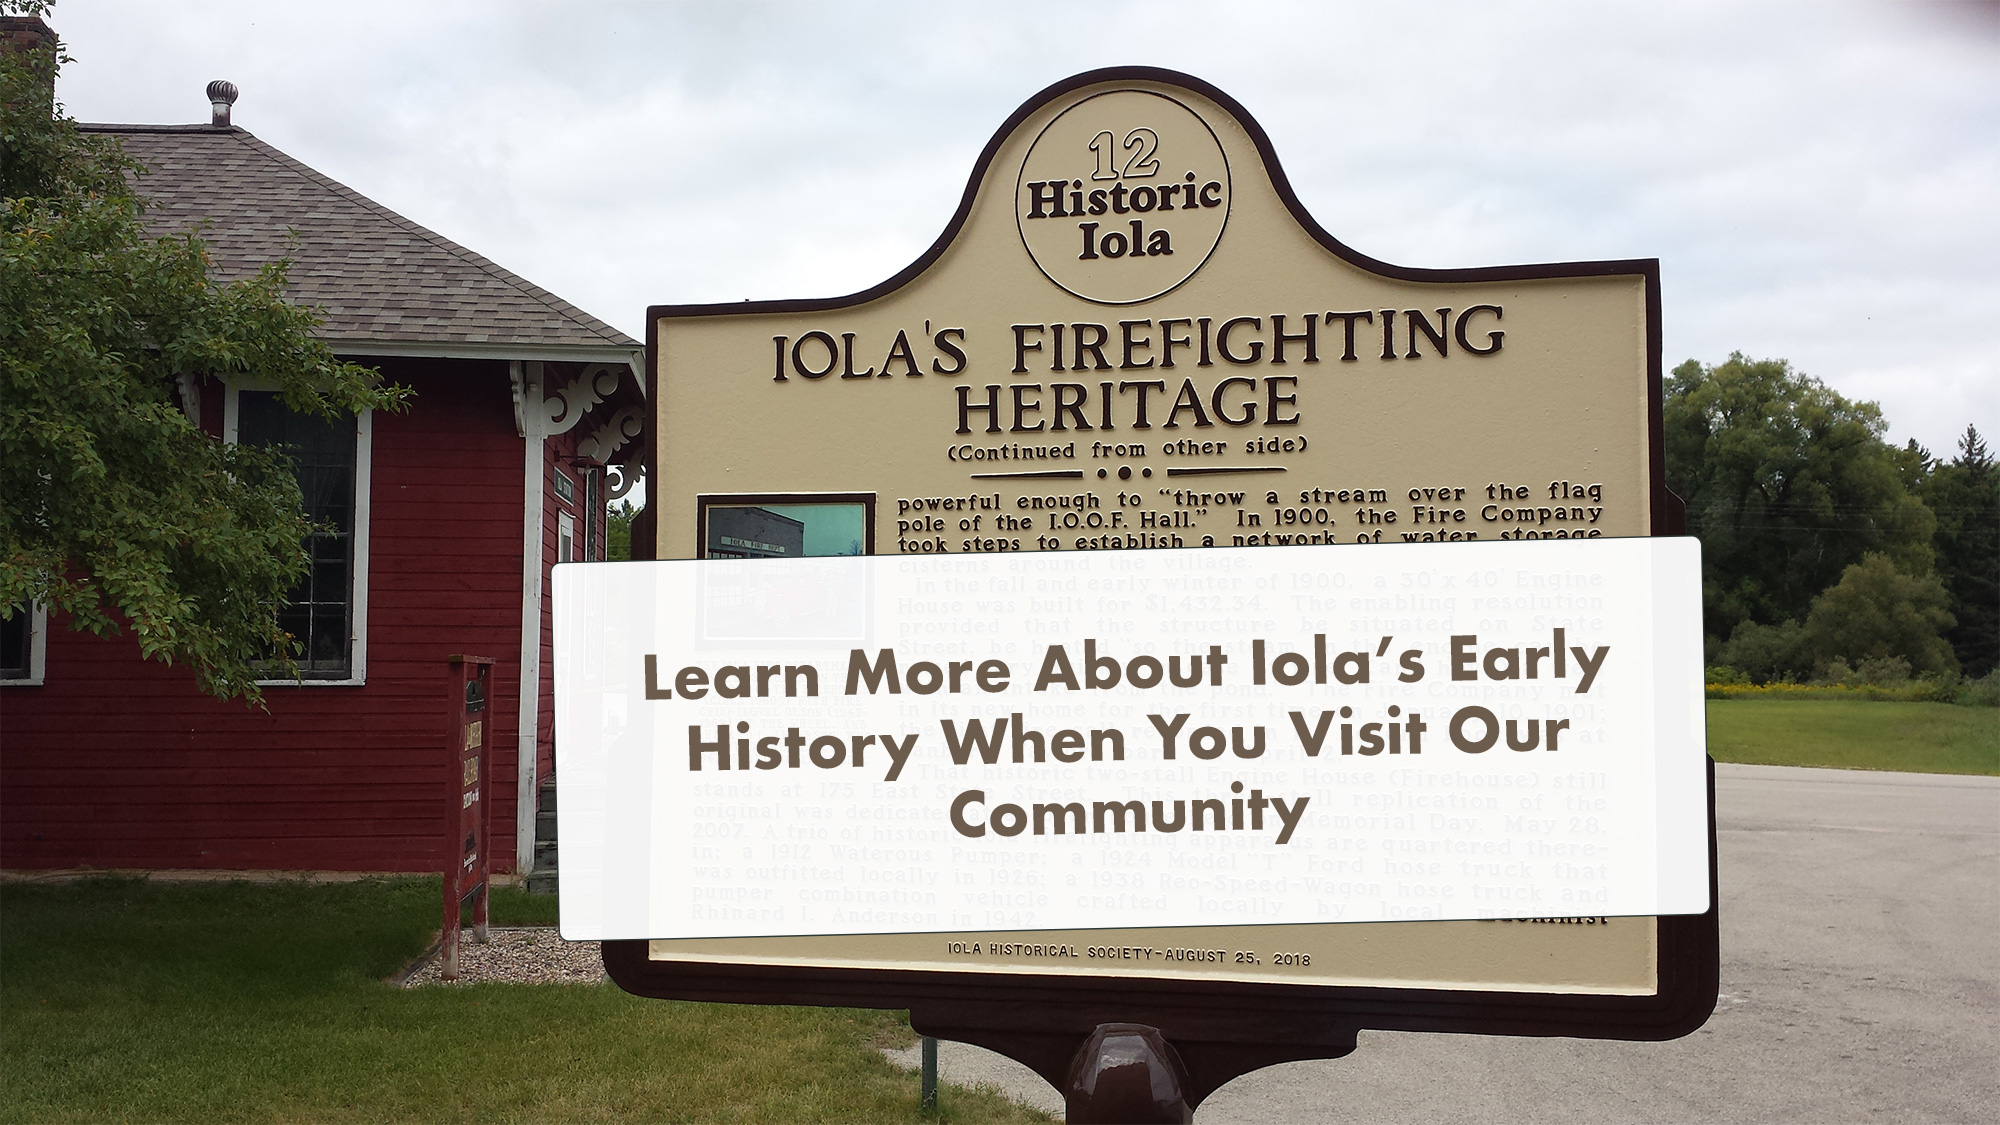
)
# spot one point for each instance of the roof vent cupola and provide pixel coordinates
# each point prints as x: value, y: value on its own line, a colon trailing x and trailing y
x: 221, y: 95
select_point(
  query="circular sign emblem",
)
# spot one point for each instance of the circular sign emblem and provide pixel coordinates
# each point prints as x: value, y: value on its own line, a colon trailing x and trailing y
x: 1123, y: 196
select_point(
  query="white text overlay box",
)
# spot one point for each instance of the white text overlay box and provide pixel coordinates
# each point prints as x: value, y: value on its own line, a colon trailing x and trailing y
x: 1125, y: 739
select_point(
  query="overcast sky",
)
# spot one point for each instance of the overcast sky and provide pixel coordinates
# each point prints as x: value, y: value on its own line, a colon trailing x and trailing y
x: 1821, y: 182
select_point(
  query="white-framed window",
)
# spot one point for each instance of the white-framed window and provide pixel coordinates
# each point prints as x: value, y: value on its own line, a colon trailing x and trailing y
x: 24, y: 646
x: 328, y: 611
x: 565, y: 537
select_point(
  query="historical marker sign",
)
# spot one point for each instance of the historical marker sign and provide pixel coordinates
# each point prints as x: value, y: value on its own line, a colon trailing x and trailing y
x: 1132, y: 336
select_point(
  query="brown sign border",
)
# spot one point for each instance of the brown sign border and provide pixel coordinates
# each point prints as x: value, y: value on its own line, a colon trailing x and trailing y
x: 1221, y: 1029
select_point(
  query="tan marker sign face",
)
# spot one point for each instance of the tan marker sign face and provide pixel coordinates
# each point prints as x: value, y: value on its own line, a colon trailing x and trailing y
x: 1008, y: 402
x: 1123, y: 196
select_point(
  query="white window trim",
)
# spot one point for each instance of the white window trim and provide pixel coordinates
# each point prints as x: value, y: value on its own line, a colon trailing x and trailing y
x: 38, y: 649
x: 364, y: 444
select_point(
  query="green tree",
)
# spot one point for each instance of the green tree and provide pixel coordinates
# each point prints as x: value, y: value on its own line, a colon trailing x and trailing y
x: 115, y: 508
x: 1878, y: 611
x: 1964, y: 494
x: 1787, y: 483
x: 618, y: 531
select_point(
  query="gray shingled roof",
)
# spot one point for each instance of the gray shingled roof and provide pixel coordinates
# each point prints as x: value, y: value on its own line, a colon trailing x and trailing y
x: 380, y: 278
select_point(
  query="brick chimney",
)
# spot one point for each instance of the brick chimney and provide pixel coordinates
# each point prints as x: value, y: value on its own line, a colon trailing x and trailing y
x: 25, y: 33
x: 29, y: 39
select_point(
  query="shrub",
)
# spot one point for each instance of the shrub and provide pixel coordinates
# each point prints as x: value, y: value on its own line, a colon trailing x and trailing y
x: 1879, y: 612
x: 1764, y: 653
x: 1929, y: 688
x: 1879, y: 671
x: 1982, y: 692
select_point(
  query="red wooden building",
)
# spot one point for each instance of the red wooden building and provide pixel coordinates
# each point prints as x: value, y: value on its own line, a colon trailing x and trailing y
x: 446, y: 522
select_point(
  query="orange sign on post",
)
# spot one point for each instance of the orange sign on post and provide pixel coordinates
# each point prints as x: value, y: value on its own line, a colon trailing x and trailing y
x: 469, y: 684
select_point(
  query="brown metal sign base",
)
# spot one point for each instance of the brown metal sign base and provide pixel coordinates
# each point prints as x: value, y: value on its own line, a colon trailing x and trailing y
x: 1127, y: 1072
x: 1099, y: 1070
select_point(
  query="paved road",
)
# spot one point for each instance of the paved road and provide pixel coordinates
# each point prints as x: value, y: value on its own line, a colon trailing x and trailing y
x: 1860, y: 982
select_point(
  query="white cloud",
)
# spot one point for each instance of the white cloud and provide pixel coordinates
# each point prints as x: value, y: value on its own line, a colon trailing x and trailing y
x: 1817, y: 179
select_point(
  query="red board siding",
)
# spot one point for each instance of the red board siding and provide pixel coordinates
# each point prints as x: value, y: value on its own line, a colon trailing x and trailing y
x: 120, y: 762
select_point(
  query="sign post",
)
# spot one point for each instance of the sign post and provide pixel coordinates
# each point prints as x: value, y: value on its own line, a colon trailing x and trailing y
x: 1232, y: 527
x: 468, y: 685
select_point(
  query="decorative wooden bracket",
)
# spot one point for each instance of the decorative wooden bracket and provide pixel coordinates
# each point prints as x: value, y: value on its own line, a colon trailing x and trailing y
x: 567, y: 405
x: 604, y: 442
x: 524, y: 379
x: 619, y: 479
x: 607, y: 441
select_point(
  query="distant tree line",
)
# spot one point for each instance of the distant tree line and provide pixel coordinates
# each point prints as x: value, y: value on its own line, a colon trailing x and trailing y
x: 1827, y: 552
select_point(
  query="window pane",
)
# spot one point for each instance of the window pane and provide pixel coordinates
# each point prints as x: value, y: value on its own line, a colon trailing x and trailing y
x: 328, y: 581
x: 327, y: 493
x: 296, y: 620
x: 323, y: 454
x: 327, y: 650
x: 16, y: 632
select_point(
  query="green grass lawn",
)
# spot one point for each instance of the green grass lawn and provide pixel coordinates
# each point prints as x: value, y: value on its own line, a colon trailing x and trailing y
x: 1854, y: 734
x: 122, y: 1000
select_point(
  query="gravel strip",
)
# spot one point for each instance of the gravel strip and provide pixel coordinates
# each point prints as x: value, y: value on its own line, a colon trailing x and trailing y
x: 523, y: 955
x: 966, y: 1065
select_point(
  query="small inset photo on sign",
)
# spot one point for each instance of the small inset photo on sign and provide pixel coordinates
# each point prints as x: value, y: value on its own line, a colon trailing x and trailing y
x: 755, y: 527
x: 769, y: 601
